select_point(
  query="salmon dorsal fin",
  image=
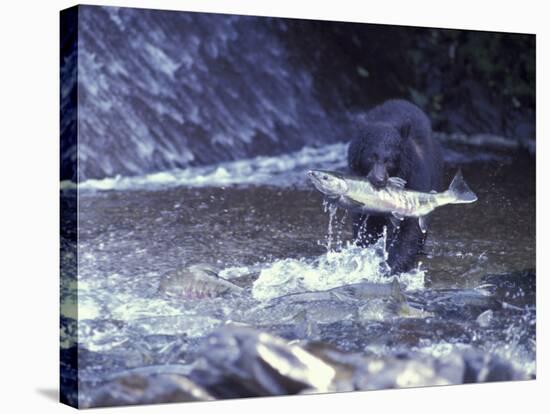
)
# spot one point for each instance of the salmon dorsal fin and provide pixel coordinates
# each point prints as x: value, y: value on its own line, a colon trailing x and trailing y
x: 397, y: 182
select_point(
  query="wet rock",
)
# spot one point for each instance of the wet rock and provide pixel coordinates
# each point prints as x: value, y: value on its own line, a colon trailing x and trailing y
x: 382, y: 373
x: 242, y: 362
x: 357, y: 372
x: 133, y: 389
x: 197, y: 281
x: 484, y: 367
x: 349, y: 367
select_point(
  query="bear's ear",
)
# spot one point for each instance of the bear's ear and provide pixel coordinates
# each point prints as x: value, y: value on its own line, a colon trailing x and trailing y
x: 405, y: 129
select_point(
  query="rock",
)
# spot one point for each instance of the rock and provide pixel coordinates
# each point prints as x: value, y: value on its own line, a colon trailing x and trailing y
x: 133, y: 389
x: 240, y: 361
x: 484, y: 367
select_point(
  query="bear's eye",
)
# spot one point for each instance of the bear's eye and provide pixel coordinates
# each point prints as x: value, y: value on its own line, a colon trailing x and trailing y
x: 325, y: 177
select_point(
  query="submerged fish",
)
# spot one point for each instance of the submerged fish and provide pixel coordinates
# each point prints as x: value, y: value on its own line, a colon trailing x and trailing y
x: 368, y: 290
x: 357, y: 193
x: 358, y: 301
x: 353, y: 292
x: 197, y: 281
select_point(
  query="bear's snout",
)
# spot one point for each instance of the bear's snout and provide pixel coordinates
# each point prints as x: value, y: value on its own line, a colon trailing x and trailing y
x: 378, y: 175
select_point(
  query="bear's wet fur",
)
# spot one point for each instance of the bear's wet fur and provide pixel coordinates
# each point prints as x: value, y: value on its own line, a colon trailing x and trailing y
x: 395, y: 139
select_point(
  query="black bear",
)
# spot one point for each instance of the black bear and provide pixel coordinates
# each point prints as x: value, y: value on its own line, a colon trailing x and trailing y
x: 394, y: 139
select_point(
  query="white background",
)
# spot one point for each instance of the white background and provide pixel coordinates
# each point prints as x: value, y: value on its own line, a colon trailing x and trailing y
x: 29, y: 61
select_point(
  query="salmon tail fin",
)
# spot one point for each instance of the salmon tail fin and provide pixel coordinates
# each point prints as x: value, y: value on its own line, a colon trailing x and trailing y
x: 460, y: 190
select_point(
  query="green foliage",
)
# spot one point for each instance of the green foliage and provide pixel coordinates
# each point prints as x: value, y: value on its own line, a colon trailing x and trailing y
x: 503, y: 62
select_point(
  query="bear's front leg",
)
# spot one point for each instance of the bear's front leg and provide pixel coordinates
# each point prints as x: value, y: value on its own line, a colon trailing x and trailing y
x: 405, y: 246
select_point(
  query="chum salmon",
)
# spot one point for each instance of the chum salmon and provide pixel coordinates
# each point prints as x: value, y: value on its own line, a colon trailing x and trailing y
x: 357, y: 193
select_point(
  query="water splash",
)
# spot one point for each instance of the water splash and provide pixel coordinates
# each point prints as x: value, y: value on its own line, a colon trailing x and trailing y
x: 351, y: 264
x: 331, y: 209
x: 519, y: 345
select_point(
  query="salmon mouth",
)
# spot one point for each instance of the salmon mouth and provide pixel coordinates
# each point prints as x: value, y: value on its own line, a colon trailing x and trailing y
x: 316, y: 181
x: 313, y: 176
x: 316, y: 178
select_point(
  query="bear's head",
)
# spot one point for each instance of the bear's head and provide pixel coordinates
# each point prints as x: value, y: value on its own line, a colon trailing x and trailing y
x: 376, y: 152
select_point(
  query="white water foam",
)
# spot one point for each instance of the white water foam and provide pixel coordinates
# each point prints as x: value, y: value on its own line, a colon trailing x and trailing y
x: 351, y: 264
x: 282, y: 170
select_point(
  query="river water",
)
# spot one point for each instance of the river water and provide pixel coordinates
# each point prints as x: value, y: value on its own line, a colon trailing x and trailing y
x: 264, y: 227
x: 190, y: 136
